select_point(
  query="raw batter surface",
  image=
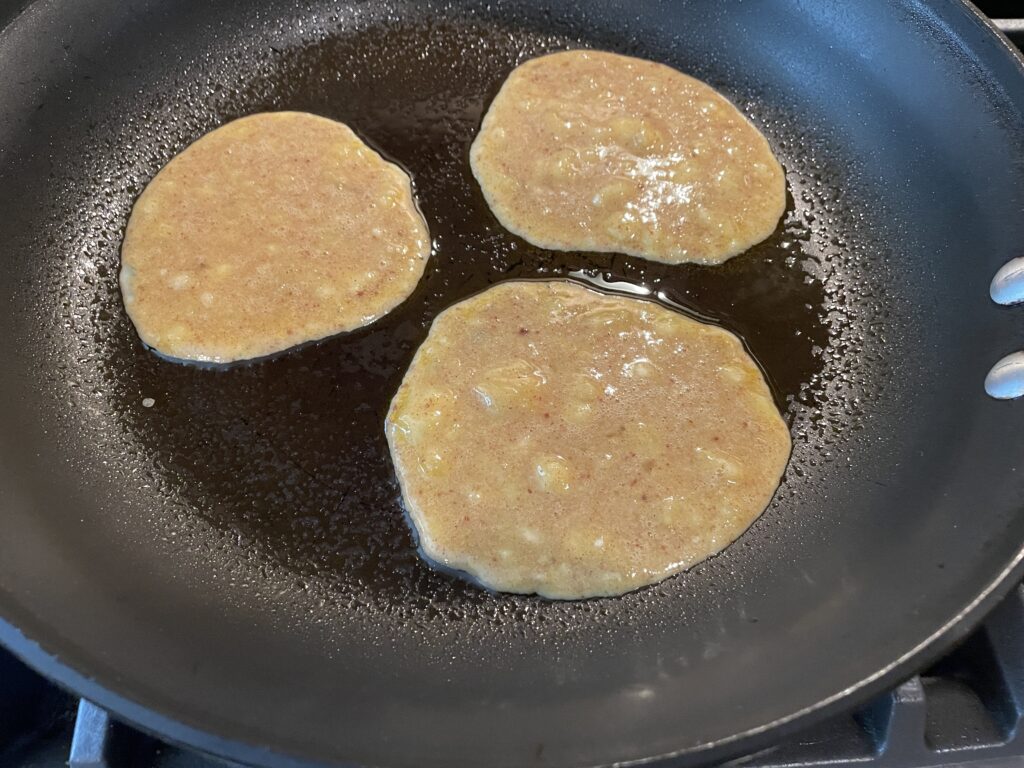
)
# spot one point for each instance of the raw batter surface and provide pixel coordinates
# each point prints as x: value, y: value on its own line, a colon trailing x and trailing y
x: 552, y: 439
x: 586, y: 150
x: 270, y: 231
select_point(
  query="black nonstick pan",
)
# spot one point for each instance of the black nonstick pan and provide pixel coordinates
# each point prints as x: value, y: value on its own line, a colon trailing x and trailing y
x: 220, y: 556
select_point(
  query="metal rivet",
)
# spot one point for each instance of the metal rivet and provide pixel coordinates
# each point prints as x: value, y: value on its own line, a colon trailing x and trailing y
x: 1008, y: 284
x: 1006, y: 379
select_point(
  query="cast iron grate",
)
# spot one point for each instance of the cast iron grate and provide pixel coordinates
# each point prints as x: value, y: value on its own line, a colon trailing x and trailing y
x: 964, y: 710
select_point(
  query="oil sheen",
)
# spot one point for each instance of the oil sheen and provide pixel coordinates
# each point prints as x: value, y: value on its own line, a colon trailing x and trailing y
x: 288, y: 455
x: 552, y: 439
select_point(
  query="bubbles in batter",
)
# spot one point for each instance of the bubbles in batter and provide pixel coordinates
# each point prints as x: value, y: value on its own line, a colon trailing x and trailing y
x: 273, y: 230
x: 586, y: 150
x: 552, y: 439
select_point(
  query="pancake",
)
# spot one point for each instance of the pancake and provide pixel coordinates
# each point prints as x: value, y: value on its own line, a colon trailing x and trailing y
x: 585, y: 150
x: 549, y: 438
x: 273, y: 230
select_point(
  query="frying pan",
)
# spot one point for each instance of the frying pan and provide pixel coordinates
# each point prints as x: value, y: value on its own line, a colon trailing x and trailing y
x: 219, y: 556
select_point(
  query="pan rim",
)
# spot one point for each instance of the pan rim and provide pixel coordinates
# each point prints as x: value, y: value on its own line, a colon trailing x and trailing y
x: 173, y: 730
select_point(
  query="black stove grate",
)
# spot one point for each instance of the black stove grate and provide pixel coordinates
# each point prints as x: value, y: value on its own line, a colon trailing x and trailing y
x: 964, y: 710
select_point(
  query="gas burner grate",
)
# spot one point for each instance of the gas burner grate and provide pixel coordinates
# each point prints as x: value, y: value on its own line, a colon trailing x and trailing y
x: 964, y: 710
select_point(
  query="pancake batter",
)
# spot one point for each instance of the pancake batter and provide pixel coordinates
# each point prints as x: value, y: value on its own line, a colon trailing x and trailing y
x: 552, y: 439
x: 273, y: 230
x: 586, y: 150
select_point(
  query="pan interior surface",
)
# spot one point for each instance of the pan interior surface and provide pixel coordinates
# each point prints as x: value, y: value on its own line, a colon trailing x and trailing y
x: 226, y: 548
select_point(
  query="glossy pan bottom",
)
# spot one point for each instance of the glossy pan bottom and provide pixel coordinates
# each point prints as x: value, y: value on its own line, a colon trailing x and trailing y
x: 230, y: 565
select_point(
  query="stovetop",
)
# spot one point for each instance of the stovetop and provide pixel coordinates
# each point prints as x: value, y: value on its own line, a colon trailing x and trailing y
x: 965, y: 710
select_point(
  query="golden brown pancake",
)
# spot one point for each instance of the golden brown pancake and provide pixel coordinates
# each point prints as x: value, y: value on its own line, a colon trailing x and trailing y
x: 552, y: 439
x: 273, y: 230
x: 585, y: 150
